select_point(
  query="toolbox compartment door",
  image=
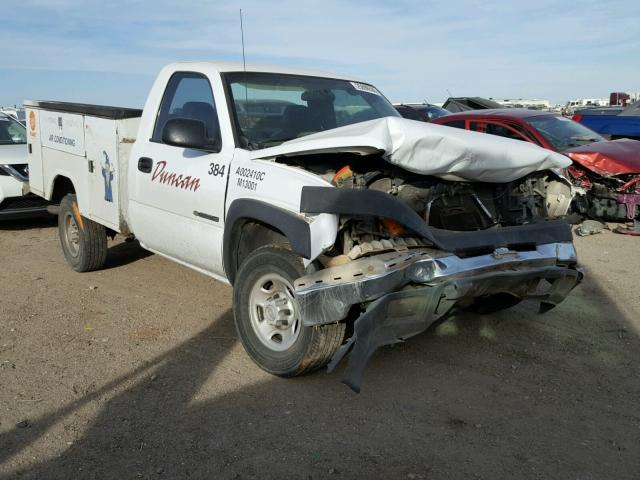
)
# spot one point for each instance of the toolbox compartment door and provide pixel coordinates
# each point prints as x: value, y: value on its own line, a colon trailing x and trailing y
x: 103, y: 170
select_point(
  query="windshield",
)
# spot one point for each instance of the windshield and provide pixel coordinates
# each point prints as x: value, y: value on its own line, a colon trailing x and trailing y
x: 11, y: 131
x: 270, y: 108
x: 563, y: 133
x: 433, y: 111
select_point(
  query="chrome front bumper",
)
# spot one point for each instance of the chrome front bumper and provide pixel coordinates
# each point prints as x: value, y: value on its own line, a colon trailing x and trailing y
x: 405, y: 292
x: 326, y: 296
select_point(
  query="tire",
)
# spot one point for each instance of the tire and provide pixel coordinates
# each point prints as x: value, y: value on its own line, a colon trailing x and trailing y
x: 84, y: 242
x: 262, y: 296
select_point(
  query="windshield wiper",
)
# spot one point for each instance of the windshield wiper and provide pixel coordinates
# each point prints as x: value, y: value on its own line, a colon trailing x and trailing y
x: 273, y: 143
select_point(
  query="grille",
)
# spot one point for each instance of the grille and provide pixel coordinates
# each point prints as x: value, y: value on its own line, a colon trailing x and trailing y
x: 22, y: 169
x: 19, y: 171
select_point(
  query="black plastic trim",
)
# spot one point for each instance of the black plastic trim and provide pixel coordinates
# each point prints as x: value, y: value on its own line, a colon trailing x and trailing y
x: 23, y: 213
x: 291, y: 225
x: 206, y: 216
x: 103, y: 111
x: 380, y: 204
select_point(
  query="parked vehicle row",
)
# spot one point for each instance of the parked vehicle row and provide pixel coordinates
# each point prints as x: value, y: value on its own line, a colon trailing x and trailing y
x: 340, y: 225
x: 613, y: 122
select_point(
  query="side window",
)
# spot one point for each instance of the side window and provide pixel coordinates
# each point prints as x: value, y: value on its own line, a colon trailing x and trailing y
x: 521, y: 133
x: 478, y: 127
x: 502, y: 130
x: 188, y: 95
x: 455, y: 124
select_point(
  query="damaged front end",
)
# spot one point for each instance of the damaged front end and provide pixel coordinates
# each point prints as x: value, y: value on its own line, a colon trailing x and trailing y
x: 606, y: 177
x: 405, y: 292
x: 430, y: 219
x: 609, y: 197
x: 398, y: 286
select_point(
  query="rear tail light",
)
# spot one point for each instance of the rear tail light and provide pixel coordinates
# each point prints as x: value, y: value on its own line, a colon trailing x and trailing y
x: 576, y: 118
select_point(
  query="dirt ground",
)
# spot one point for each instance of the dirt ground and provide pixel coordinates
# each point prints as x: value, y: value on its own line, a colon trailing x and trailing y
x: 136, y: 372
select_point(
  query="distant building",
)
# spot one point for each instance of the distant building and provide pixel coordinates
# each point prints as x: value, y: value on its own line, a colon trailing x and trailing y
x: 577, y: 103
x: 534, y: 104
x: 588, y: 102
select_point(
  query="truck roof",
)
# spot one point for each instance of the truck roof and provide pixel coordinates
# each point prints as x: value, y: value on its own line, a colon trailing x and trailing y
x: 223, y: 67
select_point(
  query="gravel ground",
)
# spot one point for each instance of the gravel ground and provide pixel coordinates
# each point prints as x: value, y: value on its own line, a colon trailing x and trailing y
x: 136, y: 372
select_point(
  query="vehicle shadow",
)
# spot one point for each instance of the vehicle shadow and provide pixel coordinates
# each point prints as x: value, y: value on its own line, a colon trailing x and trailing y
x: 124, y: 253
x: 512, y: 395
x: 120, y: 254
x: 44, y: 221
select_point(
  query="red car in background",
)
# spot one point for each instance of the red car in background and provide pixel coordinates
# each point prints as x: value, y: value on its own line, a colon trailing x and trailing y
x: 605, y: 173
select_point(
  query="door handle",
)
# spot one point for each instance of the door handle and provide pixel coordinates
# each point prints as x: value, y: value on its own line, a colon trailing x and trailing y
x: 145, y: 164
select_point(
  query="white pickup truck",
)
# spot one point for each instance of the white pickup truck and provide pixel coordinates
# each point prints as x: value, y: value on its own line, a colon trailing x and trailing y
x: 329, y: 214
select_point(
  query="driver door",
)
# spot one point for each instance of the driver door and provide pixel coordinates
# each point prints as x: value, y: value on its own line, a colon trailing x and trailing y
x: 177, y: 200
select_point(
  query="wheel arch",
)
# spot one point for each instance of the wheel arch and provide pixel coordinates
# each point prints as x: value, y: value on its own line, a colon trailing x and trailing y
x: 270, y: 222
x: 61, y: 186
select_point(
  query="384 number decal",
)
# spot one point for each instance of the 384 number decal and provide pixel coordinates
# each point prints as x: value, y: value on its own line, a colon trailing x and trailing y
x: 215, y: 169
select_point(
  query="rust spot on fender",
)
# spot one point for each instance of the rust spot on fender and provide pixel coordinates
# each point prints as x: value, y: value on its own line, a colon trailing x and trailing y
x: 128, y: 140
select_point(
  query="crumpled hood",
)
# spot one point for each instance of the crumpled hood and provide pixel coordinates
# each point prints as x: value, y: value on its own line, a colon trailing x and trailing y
x: 428, y: 149
x: 614, y: 157
x: 13, y: 154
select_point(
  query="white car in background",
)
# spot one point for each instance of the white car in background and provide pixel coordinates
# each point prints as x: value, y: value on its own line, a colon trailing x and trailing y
x: 15, y: 112
x: 15, y: 199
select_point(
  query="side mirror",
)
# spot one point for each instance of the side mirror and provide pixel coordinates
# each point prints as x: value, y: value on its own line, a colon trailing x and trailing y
x: 188, y: 133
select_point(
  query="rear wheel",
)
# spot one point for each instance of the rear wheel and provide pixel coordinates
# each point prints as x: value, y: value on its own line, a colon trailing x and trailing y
x: 84, y: 242
x: 268, y: 319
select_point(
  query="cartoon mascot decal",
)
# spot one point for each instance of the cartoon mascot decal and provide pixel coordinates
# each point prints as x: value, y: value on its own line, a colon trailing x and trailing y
x: 107, y: 174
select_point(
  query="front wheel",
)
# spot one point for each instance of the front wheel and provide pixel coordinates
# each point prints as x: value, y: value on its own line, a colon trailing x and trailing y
x: 84, y: 242
x: 268, y: 320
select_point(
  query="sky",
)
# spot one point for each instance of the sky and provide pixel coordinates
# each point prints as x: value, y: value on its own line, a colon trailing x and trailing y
x: 109, y: 51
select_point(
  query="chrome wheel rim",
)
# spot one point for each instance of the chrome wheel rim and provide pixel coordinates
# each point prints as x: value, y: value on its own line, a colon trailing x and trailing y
x: 71, y: 235
x: 274, y: 312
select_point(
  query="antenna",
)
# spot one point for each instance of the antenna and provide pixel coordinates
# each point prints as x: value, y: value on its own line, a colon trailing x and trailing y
x: 448, y: 92
x: 244, y: 62
x: 244, y: 65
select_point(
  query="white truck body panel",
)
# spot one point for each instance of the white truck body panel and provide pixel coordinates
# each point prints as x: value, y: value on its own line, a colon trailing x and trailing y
x: 63, y: 132
x: 281, y: 185
x: 36, y: 180
x: 92, y: 152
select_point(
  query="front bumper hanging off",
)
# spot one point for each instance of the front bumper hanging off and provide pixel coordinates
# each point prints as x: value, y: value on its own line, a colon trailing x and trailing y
x: 405, y: 292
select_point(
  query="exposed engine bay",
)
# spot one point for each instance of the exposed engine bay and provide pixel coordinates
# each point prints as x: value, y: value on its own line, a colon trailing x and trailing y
x: 443, y: 204
x: 615, y: 198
